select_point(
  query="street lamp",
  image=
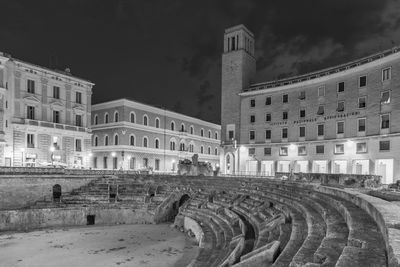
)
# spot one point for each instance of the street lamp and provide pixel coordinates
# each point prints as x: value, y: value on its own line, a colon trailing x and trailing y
x: 52, y: 148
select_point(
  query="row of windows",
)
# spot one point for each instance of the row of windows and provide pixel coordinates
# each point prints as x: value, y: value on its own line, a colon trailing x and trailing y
x: 55, y: 142
x: 362, y: 82
x: 30, y: 114
x: 340, y: 128
x: 30, y: 87
x: 361, y: 104
x: 157, y: 123
x: 132, y: 163
x: 145, y: 143
x: 361, y: 147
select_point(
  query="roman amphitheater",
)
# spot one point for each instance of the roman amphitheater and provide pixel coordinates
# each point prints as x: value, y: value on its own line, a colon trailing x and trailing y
x: 55, y: 217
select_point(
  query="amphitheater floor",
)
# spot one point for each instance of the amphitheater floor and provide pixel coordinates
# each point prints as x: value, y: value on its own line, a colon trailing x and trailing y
x: 122, y: 245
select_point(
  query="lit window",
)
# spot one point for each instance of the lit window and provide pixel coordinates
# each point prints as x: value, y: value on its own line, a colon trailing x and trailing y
x: 386, y: 74
x: 339, y: 149
x: 283, y: 151
x: 340, y: 127
x: 302, y: 151
x: 385, y: 97
x: 362, y: 82
x: 385, y: 121
x: 361, y: 147
x: 362, y: 102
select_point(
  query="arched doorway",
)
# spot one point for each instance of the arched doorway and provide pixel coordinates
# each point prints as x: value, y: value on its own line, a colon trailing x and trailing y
x: 176, y: 205
x: 229, y: 163
x: 57, y: 193
x: 183, y: 199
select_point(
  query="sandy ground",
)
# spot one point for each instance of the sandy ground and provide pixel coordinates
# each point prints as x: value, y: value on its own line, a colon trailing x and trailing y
x: 122, y: 245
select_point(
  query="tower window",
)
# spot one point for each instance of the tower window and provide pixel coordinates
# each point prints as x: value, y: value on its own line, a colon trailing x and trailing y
x: 267, y: 134
x: 362, y: 82
x: 252, y: 119
x: 284, y: 133
x: 252, y: 135
x: 285, y: 115
x: 302, y: 113
x: 362, y: 102
x: 302, y: 131
x: 386, y: 74
x: 268, y: 101
x: 252, y: 103
x: 268, y: 117
x: 340, y: 87
x: 285, y: 98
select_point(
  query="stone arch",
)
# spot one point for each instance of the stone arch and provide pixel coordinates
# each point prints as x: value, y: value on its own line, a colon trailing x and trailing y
x: 57, y: 193
x: 229, y: 163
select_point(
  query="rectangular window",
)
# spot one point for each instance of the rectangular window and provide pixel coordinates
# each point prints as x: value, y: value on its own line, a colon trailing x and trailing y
x: 283, y: 151
x: 78, y: 98
x: 30, y: 112
x: 302, y: 131
x: 252, y: 119
x: 252, y: 135
x: 267, y: 151
x: 230, y: 134
x: 252, y: 103
x: 285, y: 133
x: 30, y: 140
x: 384, y: 145
x: 321, y: 110
x: 321, y: 91
x: 340, y: 127
x: 285, y: 98
x: 105, y: 162
x: 78, y: 120
x: 362, y: 102
x: 302, y: 95
x: 385, y: 121
x: 252, y: 151
x: 268, y: 117
x: 361, y: 147
x: 385, y: 97
x: 267, y: 134
x: 386, y: 74
x: 157, y: 165
x: 56, y: 92
x: 95, y: 162
x: 78, y: 145
x: 56, y: 116
x: 302, y: 113
x: 340, y: 106
x: 285, y: 115
x: 302, y: 151
x: 320, y: 130
x: 340, y: 87
x: 362, y: 81
x: 339, y: 149
x: 31, y: 86
x: 268, y: 101
x: 320, y: 149
x: 361, y: 125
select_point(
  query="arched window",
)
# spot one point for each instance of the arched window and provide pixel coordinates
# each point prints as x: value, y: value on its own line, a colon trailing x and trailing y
x: 145, y: 120
x: 132, y: 140
x: 209, y: 150
x: 209, y: 134
x: 106, y: 140
x: 172, y: 126
x: 106, y: 118
x: 216, y: 135
x: 157, y: 123
x: 145, y: 141
x: 202, y: 132
x: 157, y: 143
x: 201, y: 149
x: 116, y: 116
x: 132, y: 117
x: 216, y: 151
x: 116, y: 139
x: 191, y: 130
x: 182, y: 127
x: 96, y: 120
x: 191, y: 147
x: 182, y: 147
x: 172, y: 145
x: 96, y: 141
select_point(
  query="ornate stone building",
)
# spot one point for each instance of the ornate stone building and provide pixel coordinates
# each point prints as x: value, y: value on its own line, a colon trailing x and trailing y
x: 344, y: 119
x: 44, y: 116
x: 131, y: 135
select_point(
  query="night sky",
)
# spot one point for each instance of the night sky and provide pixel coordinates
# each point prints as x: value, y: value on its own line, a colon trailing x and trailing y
x: 168, y: 52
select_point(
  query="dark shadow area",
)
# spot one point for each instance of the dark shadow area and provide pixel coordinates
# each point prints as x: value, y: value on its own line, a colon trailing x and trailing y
x: 57, y: 193
x: 90, y: 219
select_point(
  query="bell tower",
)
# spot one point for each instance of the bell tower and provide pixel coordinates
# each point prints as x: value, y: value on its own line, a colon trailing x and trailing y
x: 238, y: 71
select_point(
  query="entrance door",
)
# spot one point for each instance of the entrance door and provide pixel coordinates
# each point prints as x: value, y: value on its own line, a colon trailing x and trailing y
x: 284, y: 166
x: 339, y: 166
x: 267, y: 168
x: 302, y: 166
x: 229, y: 164
x: 361, y: 166
x: 384, y: 168
x: 320, y: 166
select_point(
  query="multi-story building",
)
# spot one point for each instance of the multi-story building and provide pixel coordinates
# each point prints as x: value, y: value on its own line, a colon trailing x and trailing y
x: 344, y: 119
x: 44, y: 116
x: 131, y: 135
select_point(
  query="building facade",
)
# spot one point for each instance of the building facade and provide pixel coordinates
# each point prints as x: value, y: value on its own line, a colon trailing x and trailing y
x: 344, y: 119
x: 44, y: 116
x: 131, y: 135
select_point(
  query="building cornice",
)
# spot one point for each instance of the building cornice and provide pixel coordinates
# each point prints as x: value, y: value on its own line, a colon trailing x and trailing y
x: 149, y: 108
x: 322, y: 76
x: 140, y: 127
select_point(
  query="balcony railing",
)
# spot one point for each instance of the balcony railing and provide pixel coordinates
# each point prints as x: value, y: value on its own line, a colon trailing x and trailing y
x: 50, y: 125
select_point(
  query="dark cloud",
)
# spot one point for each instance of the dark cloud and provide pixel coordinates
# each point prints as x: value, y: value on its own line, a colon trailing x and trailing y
x: 169, y: 52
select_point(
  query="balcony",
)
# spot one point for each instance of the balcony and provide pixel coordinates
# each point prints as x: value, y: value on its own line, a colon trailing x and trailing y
x: 48, y: 124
